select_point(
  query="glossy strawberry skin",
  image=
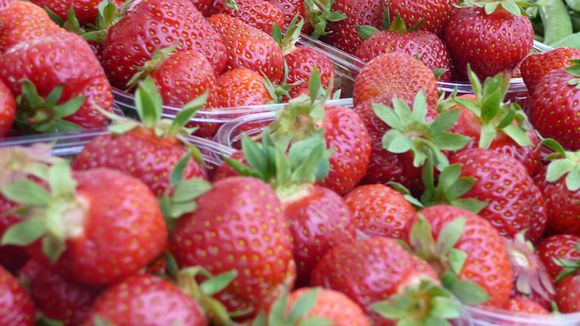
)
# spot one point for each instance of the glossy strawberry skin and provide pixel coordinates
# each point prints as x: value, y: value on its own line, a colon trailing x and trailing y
x: 248, y: 47
x: 319, y: 220
x: 380, y: 211
x: 250, y: 236
x: 554, y: 110
x: 489, y: 43
x: 155, y: 24
x: 260, y: 14
x: 420, y: 44
x: 147, y: 300
x: 241, y: 87
x: 343, y: 34
x: 536, y: 66
x: 405, y: 75
x: 23, y: 21
x: 525, y: 306
x: 16, y: 307
x: 487, y: 262
x: 567, y: 296
x: 56, y: 297
x: 561, y: 246
x: 120, y: 235
x: 433, y: 13
x: 7, y: 109
x: 301, y: 62
x: 515, y: 203
x: 86, y: 11
x: 64, y: 59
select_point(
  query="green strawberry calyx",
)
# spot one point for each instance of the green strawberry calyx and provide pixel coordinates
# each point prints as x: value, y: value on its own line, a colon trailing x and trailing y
x: 410, y: 131
x: 319, y: 13
x: 288, y: 39
x: 563, y: 164
x: 232, y: 4
x: 297, y: 315
x: 514, y: 7
x: 574, y: 70
x: 570, y: 267
x: 397, y: 25
x: 445, y: 258
x: 150, y: 66
x: 493, y: 113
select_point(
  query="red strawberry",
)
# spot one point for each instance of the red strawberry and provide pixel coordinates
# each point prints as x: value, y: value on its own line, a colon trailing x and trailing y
x: 11, y: 257
x: 147, y: 151
x: 315, y: 14
x: 249, y: 47
x: 156, y: 24
x: 433, y: 14
x: 204, y: 6
x: 556, y: 249
x: 404, y: 74
x: 423, y: 45
x: 146, y: 300
x: 16, y: 307
x: 7, y: 109
x: 86, y: 11
x: 536, y: 66
x: 567, y: 296
x: 39, y: 68
x: 56, y: 297
x: 260, y: 14
x: 525, y: 306
x: 241, y: 87
x: 24, y: 21
x: 490, y: 42
x: 558, y: 116
x: 380, y: 211
x: 514, y: 203
x: 250, y: 236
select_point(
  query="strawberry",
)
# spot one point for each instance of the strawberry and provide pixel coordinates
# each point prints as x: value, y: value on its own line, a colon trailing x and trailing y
x: 514, y: 203
x: 56, y: 297
x: 24, y: 21
x: 490, y: 39
x: 379, y: 275
x: 17, y: 307
x: 405, y: 75
x: 380, y: 211
x: 11, y: 257
x: 86, y: 11
x: 203, y: 6
x: 525, y: 306
x: 248, y: 47
x: 250, y: 237
x: 567, y: 294
x: 316, y: 14
x: 7, y: 109
x: 556, y: 250
x: 241, y: 87
x: 467, y: 251
x: 423, y: 45
x: 432, y: 14
x: 558, y: 116
x: 156, y: 24
x: 343, y: 34
x: 260, y: 14
x: 58, y: 82
x: 145, y: 300
x: 92, y: 239
x: 536, y: 66
x: 149, y: 150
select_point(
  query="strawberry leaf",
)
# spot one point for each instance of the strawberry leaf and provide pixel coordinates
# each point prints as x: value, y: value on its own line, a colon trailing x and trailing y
x: 25, y: 232
x: 467, y: 292
x: 366, y: 31
x: 449, y: 236
x: 303, y: 306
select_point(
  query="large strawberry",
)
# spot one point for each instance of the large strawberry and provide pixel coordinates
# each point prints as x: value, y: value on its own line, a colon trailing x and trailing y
x: 58, y: 81
x: 536, y: 66
x: 249, y: 47
x: 492, y: 39
x: 7, y: 109
x: 149, y: 150
x: 557, y: 252
x: 431, y: 14
x: 558, y: 116
x: 514, y: 203
x: 260, y: 14
x: 152, y: 25
x: 17, y: 307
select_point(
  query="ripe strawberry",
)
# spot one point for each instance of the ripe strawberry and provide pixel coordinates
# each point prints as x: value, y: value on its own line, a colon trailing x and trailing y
x: 248, y: 47
x: 380, y: 211
x: 17, y: 307
x: 61, y: 82
x: 24, y: 21
x: 490, y: 42
x: 433, y: 14
x: 423, y: 45
x: 556, y: 249
x: 146, y: 300
x: 405, y: 75
x: 525, y: 306
x: 567, y: 296
x: 156, y: 24
x: 240, y: 87
x: 56, y: 297
x: 86, y: 11
x: 343, y: 34
x: 515, y: 204
x: 203, y: 6
x: 11, y: 257
x: 250, y: 236
x: 316, y: 14
x: 536, y: 66
x: 147, y: 151
x: 7, y: 109
x: 260, y: 14
x: 558, y: 116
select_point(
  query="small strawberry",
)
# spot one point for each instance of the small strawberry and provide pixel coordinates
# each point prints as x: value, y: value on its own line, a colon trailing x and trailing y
x: 17, y: 307
x: 525, y: 306
x: 431, y: 14
x: 241, y: 87
x: 491, y: 37
x: 536, y: 66
x: 557, y: 251
x: 153, y: 25
x: 7, y: 109
x: 260, y: 14
x: 405, y: 74
x: 567, y: 296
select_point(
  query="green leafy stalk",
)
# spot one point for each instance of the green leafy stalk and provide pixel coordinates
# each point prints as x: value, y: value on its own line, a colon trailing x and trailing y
x: 319, y: 13
x: 515, y: 7
x: 564, y: 165
x: 297, y: 315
